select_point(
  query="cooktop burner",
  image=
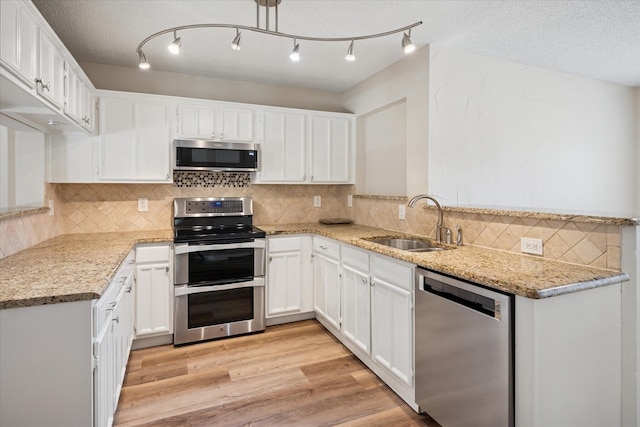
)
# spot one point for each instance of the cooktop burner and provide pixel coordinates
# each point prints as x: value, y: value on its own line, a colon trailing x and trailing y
x: 214, y: 220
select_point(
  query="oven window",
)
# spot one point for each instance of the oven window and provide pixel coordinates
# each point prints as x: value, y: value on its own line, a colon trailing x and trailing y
x: 221, y: 266
x: 220, y: 307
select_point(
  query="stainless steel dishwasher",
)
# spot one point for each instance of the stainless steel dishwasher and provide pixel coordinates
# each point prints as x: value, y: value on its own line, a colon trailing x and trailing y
x: 464, y: 352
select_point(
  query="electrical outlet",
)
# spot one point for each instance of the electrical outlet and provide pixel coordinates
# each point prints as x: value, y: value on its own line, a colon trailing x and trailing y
x: 143, y: 204
x: 317, y: 201
x: 401, y: 212
x: 350, y: 201
x: 50, y: 207
x: 531, y: 246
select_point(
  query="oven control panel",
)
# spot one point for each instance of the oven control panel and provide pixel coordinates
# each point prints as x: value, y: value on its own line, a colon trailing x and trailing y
x: 220, y: 206
x: 213, y: 206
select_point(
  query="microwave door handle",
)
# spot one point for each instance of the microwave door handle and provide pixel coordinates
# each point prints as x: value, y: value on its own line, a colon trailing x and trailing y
x: 179, y: 249
x: 186, y: 290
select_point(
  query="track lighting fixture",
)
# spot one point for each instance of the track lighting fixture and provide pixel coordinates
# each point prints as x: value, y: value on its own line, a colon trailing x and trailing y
x: 295, y: 54
x: 143, y: 64
x: 235, y: 44
x: 174, y: 47
x: 407, y: 44
x: 350, y: 55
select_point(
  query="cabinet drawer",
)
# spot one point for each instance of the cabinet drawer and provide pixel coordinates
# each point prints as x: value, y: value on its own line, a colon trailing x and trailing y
x: 393, y: 272
x: 355, y: 258
x: 326, y: 247
x: 153, y: 253
x: 284, y: 244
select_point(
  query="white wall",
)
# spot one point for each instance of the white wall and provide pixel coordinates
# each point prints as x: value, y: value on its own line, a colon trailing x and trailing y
x: 508, y: 135
x: 407, y: 79
x: 126, y: 79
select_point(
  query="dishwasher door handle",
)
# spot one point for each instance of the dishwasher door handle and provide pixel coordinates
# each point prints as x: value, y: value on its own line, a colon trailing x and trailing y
x: 480, y: 303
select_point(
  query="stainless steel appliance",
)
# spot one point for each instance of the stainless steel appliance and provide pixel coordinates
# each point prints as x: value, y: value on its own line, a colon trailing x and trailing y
x: 207, y: 155
x: 464, y: 352
x: 219, y: 269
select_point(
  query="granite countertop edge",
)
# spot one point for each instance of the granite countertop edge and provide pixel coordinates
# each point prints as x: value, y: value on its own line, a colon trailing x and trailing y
x: 84, y: 264
x: 480, y: 268
x: 19, y: 289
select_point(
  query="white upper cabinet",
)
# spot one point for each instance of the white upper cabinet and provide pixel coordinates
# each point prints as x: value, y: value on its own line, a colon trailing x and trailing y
x: 283, y: 147
x: 303, y: 147
x: 330, y: 148
x: 196, y: 121
x: 236, y: 124
x: 135, y: 139
x: 50, y: 80
x: 211, y: 120
x: 18, y: 44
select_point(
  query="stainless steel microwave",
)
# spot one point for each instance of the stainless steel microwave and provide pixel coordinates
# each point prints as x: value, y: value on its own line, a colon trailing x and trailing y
x: 207, y: 155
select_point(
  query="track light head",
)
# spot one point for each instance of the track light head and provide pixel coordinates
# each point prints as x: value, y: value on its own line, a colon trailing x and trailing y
x: 350, y: 55
x: 235, y: 44
x: 295, y: 54
x: 174, y: 47
x: 407, y: 44
x: 143, y: 64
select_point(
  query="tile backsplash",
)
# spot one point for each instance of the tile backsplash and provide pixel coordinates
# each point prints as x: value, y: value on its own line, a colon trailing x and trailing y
x: 90, y: 208
x: 596, y: 245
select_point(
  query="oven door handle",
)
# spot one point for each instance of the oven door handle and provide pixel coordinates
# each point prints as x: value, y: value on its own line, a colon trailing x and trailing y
x: 185, y: 248
x: 188, y: 290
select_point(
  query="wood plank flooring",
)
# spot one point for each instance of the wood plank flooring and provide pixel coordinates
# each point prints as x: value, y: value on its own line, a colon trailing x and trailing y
x: 295, y: 374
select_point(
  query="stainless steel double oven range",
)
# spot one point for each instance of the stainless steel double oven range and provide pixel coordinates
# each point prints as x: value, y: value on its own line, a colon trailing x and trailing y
x: 219, y: 269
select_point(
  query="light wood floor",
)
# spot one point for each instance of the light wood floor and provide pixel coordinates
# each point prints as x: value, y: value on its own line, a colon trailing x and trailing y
x: 295, y: 374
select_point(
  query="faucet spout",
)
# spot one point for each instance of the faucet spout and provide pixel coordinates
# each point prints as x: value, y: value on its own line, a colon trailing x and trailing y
x: 413, y: 201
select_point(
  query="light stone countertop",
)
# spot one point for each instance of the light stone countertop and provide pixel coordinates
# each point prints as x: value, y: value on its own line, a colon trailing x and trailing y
x: 70, y: 267
x: 78, y: 267
x: 525, y: 275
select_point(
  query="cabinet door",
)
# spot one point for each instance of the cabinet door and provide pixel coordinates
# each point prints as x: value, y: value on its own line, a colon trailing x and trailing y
x: 284, y: 283
x: 88, y: 110
x: 236, y: 124
x: 18, y: 44
x: 283, y: 148
x: 196, y: 121
x: 74, y: 94
x: 392, y: 329
x: 356, y: 307
x: 135, y: 141
x: 326, y: 281
x: 103, y: 374
x: 51, y: 75
x: 154, y: 300
x: 330, y: 149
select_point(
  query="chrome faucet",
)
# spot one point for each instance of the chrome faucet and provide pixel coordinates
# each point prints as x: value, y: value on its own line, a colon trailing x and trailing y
x: 439, y: 224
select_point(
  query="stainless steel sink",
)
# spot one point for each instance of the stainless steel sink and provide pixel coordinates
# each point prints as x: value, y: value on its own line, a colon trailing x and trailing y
x: 409, y: 245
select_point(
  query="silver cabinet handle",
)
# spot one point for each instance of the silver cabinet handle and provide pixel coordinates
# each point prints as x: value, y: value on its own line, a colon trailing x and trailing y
x: 46, y: 87
x: 324, y: 248
x: 166, y: 269
x: 364, y: 280
x: 116, y: 319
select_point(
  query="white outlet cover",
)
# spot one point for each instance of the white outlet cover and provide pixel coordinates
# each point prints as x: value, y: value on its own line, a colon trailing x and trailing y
x: 401, y: 212
x: 143, y: 204
x: 350, y: 201
x: 317, y: 201
x: 531, y: 246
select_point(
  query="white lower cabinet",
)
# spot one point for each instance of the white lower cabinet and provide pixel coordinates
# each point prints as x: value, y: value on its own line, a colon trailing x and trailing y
x: 113, y: 328
x: 392, y: 318
x: 153, y: 290
x: 356, y: 301
x: 289, y: 277
x: 326, y: 280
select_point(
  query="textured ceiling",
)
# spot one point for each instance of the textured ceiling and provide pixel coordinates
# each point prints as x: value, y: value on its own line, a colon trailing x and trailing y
x: 599, y: 39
